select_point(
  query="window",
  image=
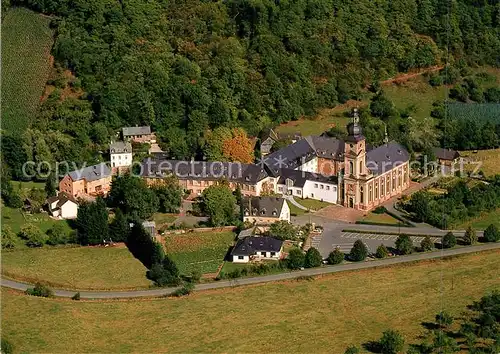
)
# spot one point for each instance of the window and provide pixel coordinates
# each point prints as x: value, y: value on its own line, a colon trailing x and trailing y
x: 393, y: 181
x: 360, y: 166
x: 280, y: 189
x: 273, y: 254
x: 263, y: 254
x: 321, y: 186
x: 312, y: 195
x: 334, y: 189
x: 388, y: 189
x: 382, y: 185
x: 327, y: 188
x: 315, y: 185
x: 376, y: 190
x: 241, y: 257
x: 370, y: 194
x: 351, y: 168
x: 361, y: 193
x: 299, y: 192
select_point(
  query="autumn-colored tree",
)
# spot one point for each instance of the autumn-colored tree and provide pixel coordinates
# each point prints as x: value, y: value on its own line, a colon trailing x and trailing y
x: 239, y: 148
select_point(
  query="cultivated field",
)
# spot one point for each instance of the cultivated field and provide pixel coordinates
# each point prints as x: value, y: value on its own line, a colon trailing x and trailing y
x: 203, y: 251
x: 26, y: 43
x: 324, y: 315
x: 99, y: 268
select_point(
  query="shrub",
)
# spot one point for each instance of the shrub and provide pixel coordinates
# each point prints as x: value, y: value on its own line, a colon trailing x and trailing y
x: 382, y: 252
x: 186, y: 289
x: 296, y: 259
x: 359, y: 251
x: 470, y: 236
x: 57, y: 236
x: 444, y: 319
x: 449, y: 240
x: 427, y: 244
x: 9, y: 238
x: 404, y: 245
x: 313, y: 258
x: 392, y: 342
x: 352, y: 350
x: 6, y: 347
x: 33, y: 236
x: 76, y: 296
x: 40, y: 290
x: 379, y: 210
x: 335, y: 257
x: 492, y: 234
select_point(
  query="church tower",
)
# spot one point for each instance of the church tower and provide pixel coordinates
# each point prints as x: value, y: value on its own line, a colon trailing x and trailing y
x: 355, y: 164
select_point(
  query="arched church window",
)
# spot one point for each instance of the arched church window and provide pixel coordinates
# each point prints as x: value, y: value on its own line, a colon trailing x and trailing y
x: 361, y: 195
x: 351, y: 167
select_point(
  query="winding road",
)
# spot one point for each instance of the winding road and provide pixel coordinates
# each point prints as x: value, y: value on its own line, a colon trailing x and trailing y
x: 262, y: 279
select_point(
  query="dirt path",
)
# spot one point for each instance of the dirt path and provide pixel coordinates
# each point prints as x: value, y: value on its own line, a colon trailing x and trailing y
x: 404, y: 77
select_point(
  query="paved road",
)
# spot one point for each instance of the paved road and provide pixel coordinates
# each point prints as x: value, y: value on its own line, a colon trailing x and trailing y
x: 263, y: 279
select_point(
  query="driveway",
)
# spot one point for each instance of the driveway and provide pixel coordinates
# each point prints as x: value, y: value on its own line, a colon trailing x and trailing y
x: 263, y: 279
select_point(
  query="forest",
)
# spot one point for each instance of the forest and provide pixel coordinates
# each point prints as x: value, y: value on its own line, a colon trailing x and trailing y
x: 188, y: 67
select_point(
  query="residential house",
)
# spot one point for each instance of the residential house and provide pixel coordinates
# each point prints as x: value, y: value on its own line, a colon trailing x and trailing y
x: 257, y: 248
x: 446, y: 157
x: 138, y: 134
x: 265, y: 210
x: 301, y: 184
x: 267, y: 140
x: 63, y: 206
x: 120, y: 154
x: 92, y: 180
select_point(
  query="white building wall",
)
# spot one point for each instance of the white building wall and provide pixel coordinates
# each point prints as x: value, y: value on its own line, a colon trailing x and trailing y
x: 245, y: 259
x: 328, y: 192
x: 69, y: 210
x: 121, y: 160
x: 310, y: 166
x: 285, y: 212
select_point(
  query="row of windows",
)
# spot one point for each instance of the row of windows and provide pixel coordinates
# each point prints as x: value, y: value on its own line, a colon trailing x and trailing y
x: 321, y: 186
x: 263, y: 254
x: 126, y: 157
x: 397, y: 181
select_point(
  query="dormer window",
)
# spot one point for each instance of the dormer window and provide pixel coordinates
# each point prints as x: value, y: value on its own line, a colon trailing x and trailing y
x: 263, y: 212
x: 275, y: 212
x: 247, y: 212
x: 255, y: 211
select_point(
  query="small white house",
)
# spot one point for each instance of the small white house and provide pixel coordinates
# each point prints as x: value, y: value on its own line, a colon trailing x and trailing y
x: 63, y: 206
x: 121, y: 154
x: 303, y: 184
x: 257, y: 248
x: 265, y: 210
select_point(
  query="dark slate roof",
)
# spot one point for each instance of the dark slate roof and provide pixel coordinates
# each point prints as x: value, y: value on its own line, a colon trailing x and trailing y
x: 91, y: 173
x: 386, y: 157
x: 129, y: 131
x: 120, y: 147
x: 299, y: 178
x: 61, y: 198
x: 251, y: 245
x: 203, y: 170
x: 446, y: 154
x: 269, y: 207
x: 291, y: 156
x: 326, y: 147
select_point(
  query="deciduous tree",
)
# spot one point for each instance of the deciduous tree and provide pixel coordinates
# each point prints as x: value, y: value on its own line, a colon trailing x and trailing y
x: 218, y: 203
x: 492, y: 234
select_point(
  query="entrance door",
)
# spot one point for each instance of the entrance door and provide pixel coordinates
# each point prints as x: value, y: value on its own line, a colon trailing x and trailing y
x: 351, y: 202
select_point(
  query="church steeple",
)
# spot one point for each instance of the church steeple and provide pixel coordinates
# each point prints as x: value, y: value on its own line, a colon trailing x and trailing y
x: 355, y: 133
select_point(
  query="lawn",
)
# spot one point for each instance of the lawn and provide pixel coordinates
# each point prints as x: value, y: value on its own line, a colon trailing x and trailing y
x: 326, y: 314
x: 483, y: 221
x: 489, y: 161
x: 16, y: 219
x: 380, y: 218
x: 203, y: 251
x: 162, y: 218
x: 313, y: 204
x: 26, y: 43
x: 295, y: 211
x: 77, y: 267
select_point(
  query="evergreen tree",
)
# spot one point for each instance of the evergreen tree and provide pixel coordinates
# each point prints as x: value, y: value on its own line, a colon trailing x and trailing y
x: 295, y: 259
x: 313, y: 258
x: 470, y: 236
x: 392, y: 342
x: 382, y: 252
x: 92, y: 222
x: 51, y: 185
x: 427, y: 244
x: 335, y: 257
x: 119, y: 228
x: 492, y: 234
x: 449, y: 240
x: 404, y: 244
x: 359, y: 251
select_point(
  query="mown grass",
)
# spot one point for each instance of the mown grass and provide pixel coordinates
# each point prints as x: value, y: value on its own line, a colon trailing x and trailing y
x: 380, y: 218
x: 17, y: 219
x: 483, y: 221
x: 327, y: 314
x: 295, y: 211
x: 313, y: 204
x: 203, y: 251
x: 487, y: 161
x: 100, y: 268
x: 26, y: 43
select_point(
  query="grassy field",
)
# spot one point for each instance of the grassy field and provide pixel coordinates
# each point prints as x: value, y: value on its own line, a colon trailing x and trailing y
x: 295, y: 210
x: 202, y: 251
x: 16, y: 219
x: 380, y: 218
x: 161, y: 218
x: 313, y: 204
x: 489, y: 159
x: 77, y: 268
x: 26, y: 43
x: 483, y: 221
x: 324, y: 315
